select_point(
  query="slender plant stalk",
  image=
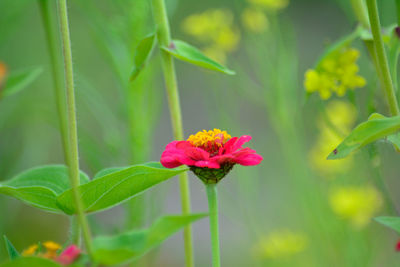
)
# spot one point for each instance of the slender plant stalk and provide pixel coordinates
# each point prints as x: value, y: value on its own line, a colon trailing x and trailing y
x: 398, y: 12
x: 72, y: 125
x: 381, y: 57
x: 360, y: 11
x: 52, y: 42
x: 213, y: 208
x: 55, y: 63
x: 164, y: 39
x: 75, y: 231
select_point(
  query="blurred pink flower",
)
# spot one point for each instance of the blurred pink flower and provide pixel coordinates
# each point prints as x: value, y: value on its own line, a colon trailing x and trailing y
x: 69, y: 255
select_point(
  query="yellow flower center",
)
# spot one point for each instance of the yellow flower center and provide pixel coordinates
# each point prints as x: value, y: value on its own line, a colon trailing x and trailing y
x: 209, y: 140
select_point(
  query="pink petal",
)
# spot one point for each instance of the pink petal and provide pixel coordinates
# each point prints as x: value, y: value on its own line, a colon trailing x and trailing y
x: 174, y: 155
x: 248, y: 159
x: 243, y: 151
x: 223, y: 158
x: 243, y: 139
x: 207, y: 164
x: 170, y: 162
x: 196, y: 153
x: 235, y: 143
x: 228, y: 145
x: 69, y: 255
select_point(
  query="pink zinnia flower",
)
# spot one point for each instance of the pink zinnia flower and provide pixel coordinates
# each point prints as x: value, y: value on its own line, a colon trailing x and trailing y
x: 69, y: 255
x: 398, y: 246
x: 210, y: 154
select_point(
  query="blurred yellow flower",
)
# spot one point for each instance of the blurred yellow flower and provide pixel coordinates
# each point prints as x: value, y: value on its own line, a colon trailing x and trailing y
x: 270, y: 4
x: 227, y: 39
x: 254, y: 20
x: 356, y: 204
x: 341, y: 117
x: 215, y: 53
x: 3, y: 74
x: 336, y: 73
x: 280, y: 243
x: 52, y: 246
x: 215, y: 29
x: 30, y: 250
x: 51, y: 249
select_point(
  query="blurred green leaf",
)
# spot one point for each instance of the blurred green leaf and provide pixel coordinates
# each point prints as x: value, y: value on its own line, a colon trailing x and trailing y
x: 30, y: 262
x: 112, y: 250
x: 389, y: 221
x: 12, y: 252
x: 18, y: 80
x: 387, y: 32
x: 367, y: 132
x: 143, y: 53
x: 395, y: 140
x: 113, y: 188
x: 40, y: 186
x: 191, y: 54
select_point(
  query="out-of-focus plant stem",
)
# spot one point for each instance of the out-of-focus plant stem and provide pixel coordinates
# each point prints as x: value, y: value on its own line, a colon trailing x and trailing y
x: 72, y: 124
x: 360, y: 10
x: 55, y: 64
x: 75, y: 231
x: 52, y: 40
x: 164, y: 39
x: 382, y: 61
x: 213, y: 209
x: 398, y: 12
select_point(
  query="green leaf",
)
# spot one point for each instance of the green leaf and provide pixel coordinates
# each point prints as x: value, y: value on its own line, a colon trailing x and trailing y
x: 118, y: 249
x: 107, y: 171
x: 391, y: 222
x: 143, y: 53
x: 395, y: 140
x: 12, y: 252
x: 367, y: 132
x: 113, y: 188
x: 40, y: 186
x: 191, y: 54
x: 30, y: 262
x: 19, y: 80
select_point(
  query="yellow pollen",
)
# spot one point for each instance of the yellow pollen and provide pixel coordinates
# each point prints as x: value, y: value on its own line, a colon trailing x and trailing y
x: 211, y: 137
x: 30, y: 250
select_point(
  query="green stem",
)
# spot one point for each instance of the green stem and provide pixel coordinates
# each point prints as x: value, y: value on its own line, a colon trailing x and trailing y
x: 72, y: 125
x: 51, y: 39
x: 75, y: 232
x: 55, y: 64
x: 213, y: 207
x: 164, y: 39
x: 398, y: 12
x: 381, y: 57
x: 360, y: 11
